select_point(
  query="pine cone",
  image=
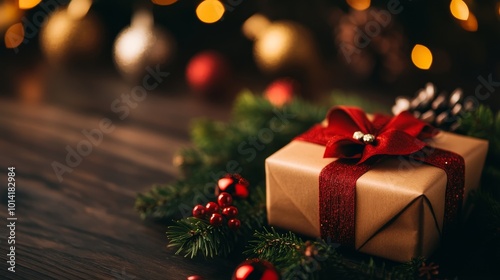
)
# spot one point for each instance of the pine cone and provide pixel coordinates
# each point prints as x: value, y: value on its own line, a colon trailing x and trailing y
x: 440, y: 110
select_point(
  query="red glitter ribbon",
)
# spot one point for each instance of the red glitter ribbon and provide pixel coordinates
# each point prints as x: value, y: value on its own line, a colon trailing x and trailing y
x: 402, y: 135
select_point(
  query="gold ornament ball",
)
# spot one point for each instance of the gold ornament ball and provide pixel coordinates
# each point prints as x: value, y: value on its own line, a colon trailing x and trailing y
x: 65, y: 37
x: 284, y: 44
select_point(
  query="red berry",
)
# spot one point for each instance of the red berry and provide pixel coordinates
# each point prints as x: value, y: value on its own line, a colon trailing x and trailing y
x: 234, y: 224
x: 241, y: 191
x: 216, y: 220
x: 230, y: 211
x: 233, y: 184
x: 199, y: 211
x: 211, y: 207
x: 225, y: 199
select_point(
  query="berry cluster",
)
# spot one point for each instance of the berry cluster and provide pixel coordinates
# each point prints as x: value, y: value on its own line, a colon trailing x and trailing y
x: 217, y: 211
x: 233, y: 184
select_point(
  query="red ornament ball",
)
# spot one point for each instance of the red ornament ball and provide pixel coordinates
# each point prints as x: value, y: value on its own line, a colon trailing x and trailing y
x: 225, y: 199
x: 281, y: 92
x: 207, y: 73
x: 230, y: 212
x: 234, y: 224
x: 233, y: 184
x: 194, y: 277
x: 216, y: 220
x: 211, y: 207
x: 255, y: 270
x: 199, y: 211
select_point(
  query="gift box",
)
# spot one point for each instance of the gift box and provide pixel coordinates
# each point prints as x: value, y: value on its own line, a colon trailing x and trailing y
x: 400, y: 206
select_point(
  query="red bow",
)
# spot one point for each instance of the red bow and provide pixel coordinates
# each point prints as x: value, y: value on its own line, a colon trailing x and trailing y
x: 400, y: 135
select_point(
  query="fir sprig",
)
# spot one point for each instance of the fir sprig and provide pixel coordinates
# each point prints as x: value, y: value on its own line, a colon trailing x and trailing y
x: 193, y: 237
x: 297, y: 259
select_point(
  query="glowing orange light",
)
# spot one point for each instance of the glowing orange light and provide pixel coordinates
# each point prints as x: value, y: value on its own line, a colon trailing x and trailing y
x: 359, y: 5
x: 459, y: 9
x: 470, y: 24
x: 28, y: 4
x: 210, y: 11
x: 421, y: 56
x: 9, y: 14
x: 14, y: 36
x: 164, y: 2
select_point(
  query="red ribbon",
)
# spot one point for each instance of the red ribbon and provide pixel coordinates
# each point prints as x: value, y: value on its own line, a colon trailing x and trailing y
x: 402, y: 135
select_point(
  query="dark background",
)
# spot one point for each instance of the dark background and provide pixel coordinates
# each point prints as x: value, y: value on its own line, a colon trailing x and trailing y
x: 460, y: 56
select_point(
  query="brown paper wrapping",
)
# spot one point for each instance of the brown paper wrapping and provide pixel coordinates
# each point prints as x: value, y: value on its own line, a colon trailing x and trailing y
x: 395, y: 200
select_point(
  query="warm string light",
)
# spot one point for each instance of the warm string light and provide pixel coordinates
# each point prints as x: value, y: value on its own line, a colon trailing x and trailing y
x: 210, y: 11
x: 459, y: 9
x: 421, y: 56
x: 359, y: 5
x: 467, y: 19
x: 28, y: 4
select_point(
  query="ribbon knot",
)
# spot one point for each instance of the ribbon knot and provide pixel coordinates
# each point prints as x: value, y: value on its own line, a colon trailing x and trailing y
x: 349, y: 131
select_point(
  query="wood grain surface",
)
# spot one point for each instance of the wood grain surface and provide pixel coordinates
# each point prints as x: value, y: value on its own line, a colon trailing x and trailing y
x: 85, y: 227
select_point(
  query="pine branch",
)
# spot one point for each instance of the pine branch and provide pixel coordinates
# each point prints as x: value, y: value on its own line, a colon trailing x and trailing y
x: 194, y: 237
x: 297, y: 259
x: 157, y: 202
x: 176, y: 199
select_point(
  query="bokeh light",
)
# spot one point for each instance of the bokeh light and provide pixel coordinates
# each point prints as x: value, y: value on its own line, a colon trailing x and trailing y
x: 459, y: 9
x: 359, y: 5
x: 77, y: 9
x: 421, y: 56
x: 470, y: 24
x: 210, y: 11
x: 14, y: 36
x: 28, y: 4
x: 254, y: 26
x: 163, y: 2
x: 9, y: 14
x: 132, y: 43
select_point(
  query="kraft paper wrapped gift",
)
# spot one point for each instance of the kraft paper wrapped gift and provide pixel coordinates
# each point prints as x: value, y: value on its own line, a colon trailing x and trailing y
x: 393, y: 212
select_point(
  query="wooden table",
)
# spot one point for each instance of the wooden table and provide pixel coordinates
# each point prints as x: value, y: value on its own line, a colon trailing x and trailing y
x: 85, y: 227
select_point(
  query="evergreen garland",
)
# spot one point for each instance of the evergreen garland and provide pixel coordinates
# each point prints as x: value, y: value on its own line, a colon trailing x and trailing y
x: 215, y: 144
